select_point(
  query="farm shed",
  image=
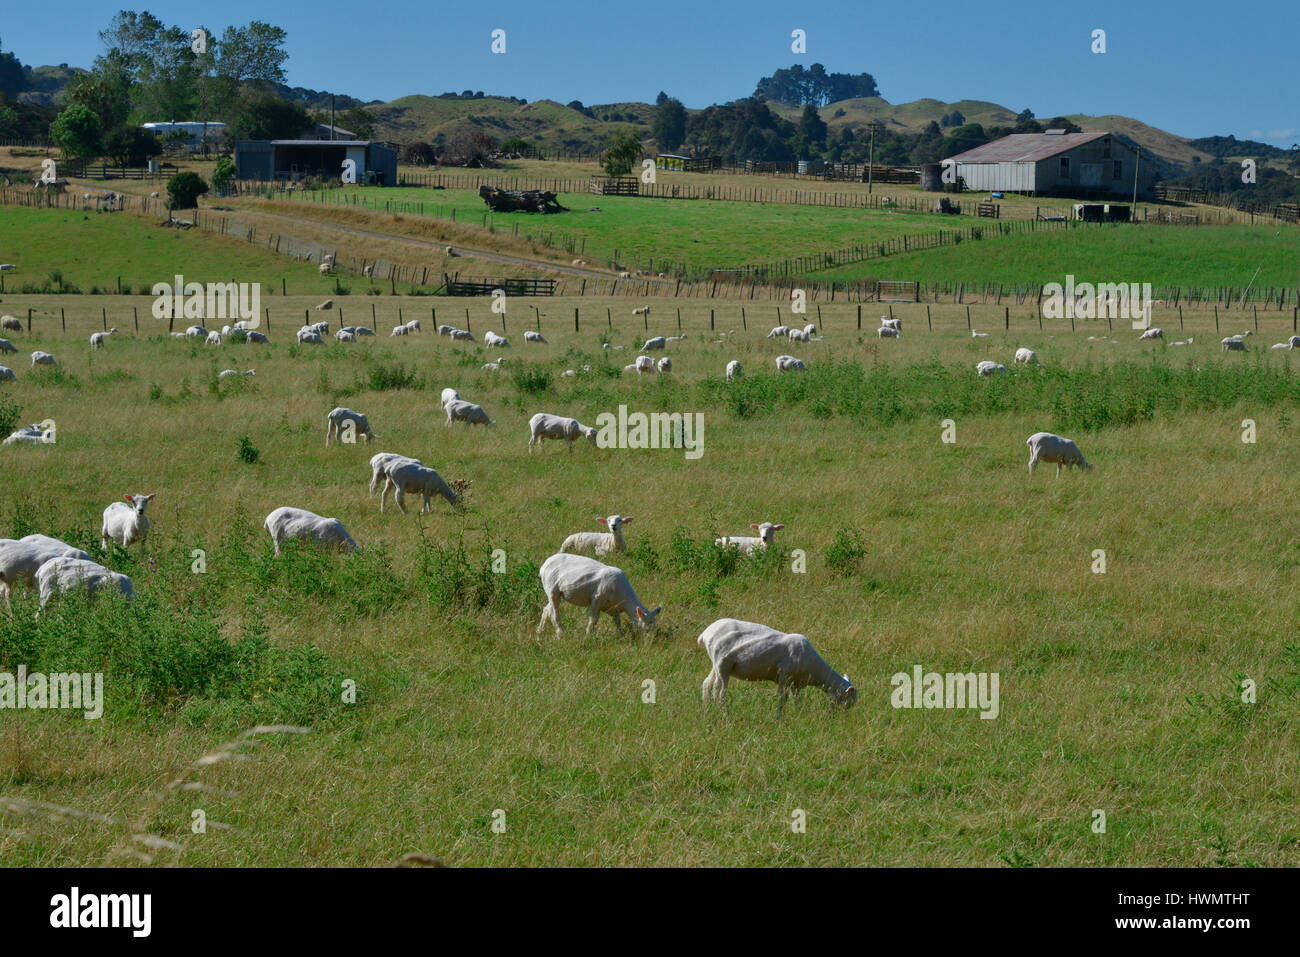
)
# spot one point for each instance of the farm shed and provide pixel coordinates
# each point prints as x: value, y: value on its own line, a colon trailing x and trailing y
x: 190, y: 134
x: 687, y: 164
x: 1054, y: 163
x: 376, y: 164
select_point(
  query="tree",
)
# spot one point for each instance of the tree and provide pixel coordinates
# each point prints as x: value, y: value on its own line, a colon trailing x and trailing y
x: 812, y: 128
x: 14, y: 77
x: 669, y: 128
x: 798, y: 86
x: 359, y: 121
x: 223, y: 174
x: 76, y: 131
x: 106, y: 90
x: 1061, y: 123
x: 184, y: 190
x: 621, y: 154
x: 659, y: 100
x: 9, y: 121
x: 131, y: 146
x: 259, y: 115
x: 253, y: 54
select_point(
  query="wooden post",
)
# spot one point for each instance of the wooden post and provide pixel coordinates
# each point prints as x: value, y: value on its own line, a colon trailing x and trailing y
x: 63, y: 318
x: 679, y: 319
x: 1180, y: 318
x: 928, y: 324
x: 575, y: 318
x: 743, y: 323
x: 1256, y: 308
x: 710, y: 320
x: 103, y: 312
x: 860, y: 316
x: 268, y: 318
x: 968, y: 328
x: 29, y: 319
x: 283, y: 290
x: 1007, y: 319
x: 1216, y: 318
x: 136, y: 311
x: 467, y: 328
x: 609, y: 318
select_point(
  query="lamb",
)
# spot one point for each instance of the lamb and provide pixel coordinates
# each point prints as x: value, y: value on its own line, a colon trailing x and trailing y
x: 1047, y: 447
x: 1233, y: 344
x: 42, y: 359
x: 544, y: 426
x: 790, y: 364
x: 60, y: 575
x: 335, y: 426
x: 641, y: 311
x: 9, y: 322
x: 748, y: 544
x: 531, y: 336
x: 1152, y: 334
x: 887, y: 332
x: 196, y: 332
x: 810, y: 329
x: 734, y: 371
x: 988, y: 367
x: 257, y: 337
x: 30, y: 435
x: 445, y: 330
x: 327, y: 304
x: 664, y: 365
x: 214, y: 338
x: 344, y: 336
x: 7, y: 374
x: 227, y: 373
x: 308, y: 337
x: 753, y: 652
x: 411, y: 476
x: 97, y: 339
x: 20, y: 560
x: 887, y: 323
x: 287, y: 523
x: 325, y: 268
x: 645, y: 364
x: 463, y: 335
x: 364, y: 331
x: 590, y: 584
x: 458, y: 410
x: 779, y: 332
x: 7, y: 346
x: 492, y: 340
x: 1026, y: 357
x: 448, y: 395
x: 399, y: 331
x: 798, y: 335
x: 658, y: 342
x: 599, y: 543
x: 126, y: 523
x: 380, y: 463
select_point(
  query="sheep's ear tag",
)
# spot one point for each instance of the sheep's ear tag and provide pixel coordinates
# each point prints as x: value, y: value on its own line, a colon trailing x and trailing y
x: 602, y: 521
x: 130, y: 499
x: 755, y: 527
x: 640, y: 613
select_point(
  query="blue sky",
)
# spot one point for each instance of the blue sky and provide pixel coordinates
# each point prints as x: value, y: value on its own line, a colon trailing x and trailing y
x: 1195, y: 68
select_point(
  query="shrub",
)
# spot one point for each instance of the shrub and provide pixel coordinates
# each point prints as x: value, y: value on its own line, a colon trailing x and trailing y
x: 246, y: 452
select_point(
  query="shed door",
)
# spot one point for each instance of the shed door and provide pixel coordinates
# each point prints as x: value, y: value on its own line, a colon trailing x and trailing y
x: 1090, y: 174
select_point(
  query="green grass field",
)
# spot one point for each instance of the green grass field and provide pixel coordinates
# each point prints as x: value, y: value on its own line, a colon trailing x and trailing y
x: 1119, y: 692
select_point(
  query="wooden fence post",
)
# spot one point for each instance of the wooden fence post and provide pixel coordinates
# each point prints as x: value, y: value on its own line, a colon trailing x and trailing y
x: 575, y: 318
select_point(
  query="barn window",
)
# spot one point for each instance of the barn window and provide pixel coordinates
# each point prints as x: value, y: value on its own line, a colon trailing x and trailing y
x: 1119, y: 170
x: 1065, y: 166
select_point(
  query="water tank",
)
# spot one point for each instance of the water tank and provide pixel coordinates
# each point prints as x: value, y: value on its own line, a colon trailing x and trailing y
x: 931, y: 177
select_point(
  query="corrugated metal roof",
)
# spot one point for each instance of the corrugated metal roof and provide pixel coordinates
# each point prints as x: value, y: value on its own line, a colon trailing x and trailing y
x: 348, y: 143
x: 1026, y: 147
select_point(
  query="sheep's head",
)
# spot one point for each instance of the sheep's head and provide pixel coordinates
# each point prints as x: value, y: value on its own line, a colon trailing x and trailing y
x: 767, y: 531
x: 138, y: 502
x: 590, y: 433
x: 615, y: 523
x: 646, y: 619
x: 847, y: 694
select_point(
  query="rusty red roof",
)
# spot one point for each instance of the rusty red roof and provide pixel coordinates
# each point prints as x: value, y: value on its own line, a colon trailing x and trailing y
x: 1026, y: 147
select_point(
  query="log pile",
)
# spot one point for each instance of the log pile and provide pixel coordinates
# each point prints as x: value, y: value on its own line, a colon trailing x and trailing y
x: 520, y: 201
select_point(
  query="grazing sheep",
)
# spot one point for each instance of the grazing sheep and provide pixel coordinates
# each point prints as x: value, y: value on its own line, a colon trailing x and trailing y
x: 325, y: 268
x: 7, y: 374
x: 492, y: 340
x: 748, y: 544
x: 1293, y: 342
x: 658, y: 342
x: 61, y: 575
x: 625, y: 275
x: 226, y: 331
x: 599, y: 543
x: 7, y: 346
x: 798, y: 335
x: 413, y: 325
x: 240, y: 326
x: 734, y: 371
x: 590, y: 584
x: 531, y: 336
x: 344, y: 336
x: 645, y: 364
x: 448, y: 395
x: 463, y: 335
x: 97, y: 339
x: 1233, y: 344
x: 680, y: 338
x: 888, y: 332
x: 1152, y: 334
x: 400, y: 331
x: 446, y: 330
x: 287, y: 523
x: 544, y: 426
x: 381, y: 462
x: 327, y: 304
x: 413, y: 477
x: 334, y: 427
x: 790, y: 364
x: 988, y: 367
x: 1026, y: 357
x: 126, y: 522
x: 753, y: 652
x: 779, y: 332
x: 641, y: 311
x: 664, y: 365
x: 810, y: 329
x: 1276, y: 345
x: 887, y: 323
x: 978, y: 335
x: 1047, y: 447
x: 227, y: 373
x: 309, y: 337
x: 42, y: 359
x: 196, y: 332
x: 20, y: 560
x: 363, y: 331
x: 254, y: 336
x: 30, y: 435
x: 458, y: 410
x: 9, y: 322
x: 368, y: 271
x: 214, y: 338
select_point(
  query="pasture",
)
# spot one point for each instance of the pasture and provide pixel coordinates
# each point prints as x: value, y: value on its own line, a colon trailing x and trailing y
x: 1120, y: 691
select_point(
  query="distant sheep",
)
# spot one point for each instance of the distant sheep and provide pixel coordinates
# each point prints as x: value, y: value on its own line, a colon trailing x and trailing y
x: 753, y: 652
x: 493, y: 341
x: 7, y: 374
x: 590, y: 584
x: 30, y: 435
x: 544, y: 426
x: 9, y: 322
x: 658, y: 342
x: 641, y: 311
x: 327, y: 304
x: 749, y: 544
x: 463, y: 335
x: 1047, y: 447
x: 42, y: 359
x: 1152, y: 334
x: 459, y: 410
x: 798, y: 335
x: 779, y: 332
x: 1233, y: 344
x: 7, y: 346
x: 214, y: 338
x: 413, y: 477
x: 887, y: 332
x: 344, y: 335
x: 599, y: 543
x: 734, y: 371
x: 531, y: 336
x: 125, y: 522
x: 887, y: 323
x: 988, y: 367
x: 790, y: 364
x: 254, y: 336
x: 227, y: 373
x: 664, y: 365
x: 287, y: 523
x: 1026, y: 357
x: 309, y: 337
x: 20, y: 560
x: 645, y: 364
x: 196, y: 332
x: 97, y: 339
x: 978, y: 335
x: 337, y: 422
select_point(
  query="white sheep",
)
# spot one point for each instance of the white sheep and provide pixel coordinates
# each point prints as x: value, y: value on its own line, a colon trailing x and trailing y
x: 42, y: 359
x: 748, y: 544
x: 254, y: 336
x: 641, y: 311
x: 97, y: 339
x: 790, y: 364
x: 380, y: 463
x: 798, y: 335
x: 344, y: 335
x: 214, y: 338
x: 287, y: 523
x: 126, y: 522
x: 658, y: 342
x: 227, y: 373
x: 492, y: 340
x: 446, y: 330
x: 196, y: 332
x: 531, y: 336
x: 7, y: 374
x: 226, y: 331
x: 7, y: 346
x: 544, y: 426
x: 779, y: 332
x: 458, y: 410
x: 463, y: 335
x: 734, y: 371
x: 1047, y: 447
x: 887, y: 323
x: 989, y: 367
x: 664, y: 365
x: 599, y: 543
x: 9, y: 322
x: 30, y: 435
x: 494, y: 366
x: 978, y: 335
x: 327, y: 304
x: 1026, y: 357
x: 449, y: 395
x: 753, y: 652
x: 363, y: 331
x: 645, y: 364
x: 309, y: 337
x: 20, y: 560
x: 1293, y: 342
x: 590, y: 584
x: 399, y: 331
x: 413, y: 477
x: 1232, y: 343
x: 325, y: 268
x: 810, y: 329
x: 888, y: 332
x: 1152, y: 334
x: 60, y: 575
x: 335, y: 426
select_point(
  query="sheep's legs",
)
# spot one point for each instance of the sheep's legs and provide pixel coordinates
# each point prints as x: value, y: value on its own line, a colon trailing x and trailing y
x: 593, y: 618
x: 400, y: 498
x: 384, y: 495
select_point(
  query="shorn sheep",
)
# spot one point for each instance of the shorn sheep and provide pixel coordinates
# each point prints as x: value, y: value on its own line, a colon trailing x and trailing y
x: 1233, y: 344
x: 664, y: 365
x: 7, y: 374
x: 492, y: 340
x: 989, y: 367
x: 544, y: 426
x: 337, y: 427
x: 29, y: 434
x: 734, y: 371
x: 254, y: 336
x: 287, y: 523
x: 1152, y: 334
x: 7, y: 346
x: 790, y: 364
x: 61, y: 575
x: 753, y: 652
x: 888, y: 332
x: 590, y: 584
x: 658, y: 342
x: 458, y: 410
x: 380, y: 463
x: 10, y: 323
x: 20, y: 560
x: 125, y: 522
x: 748, y: 544
x: 414, y: 477
x: 779, y: 332
x: 599, y: 543
x: 229, y: 373
x: 531, y: 336
x: 1026, y: 357
x: 1047, y: 447
x: 97, y: 339
x: 42, y: 359
x: 449, y: 395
